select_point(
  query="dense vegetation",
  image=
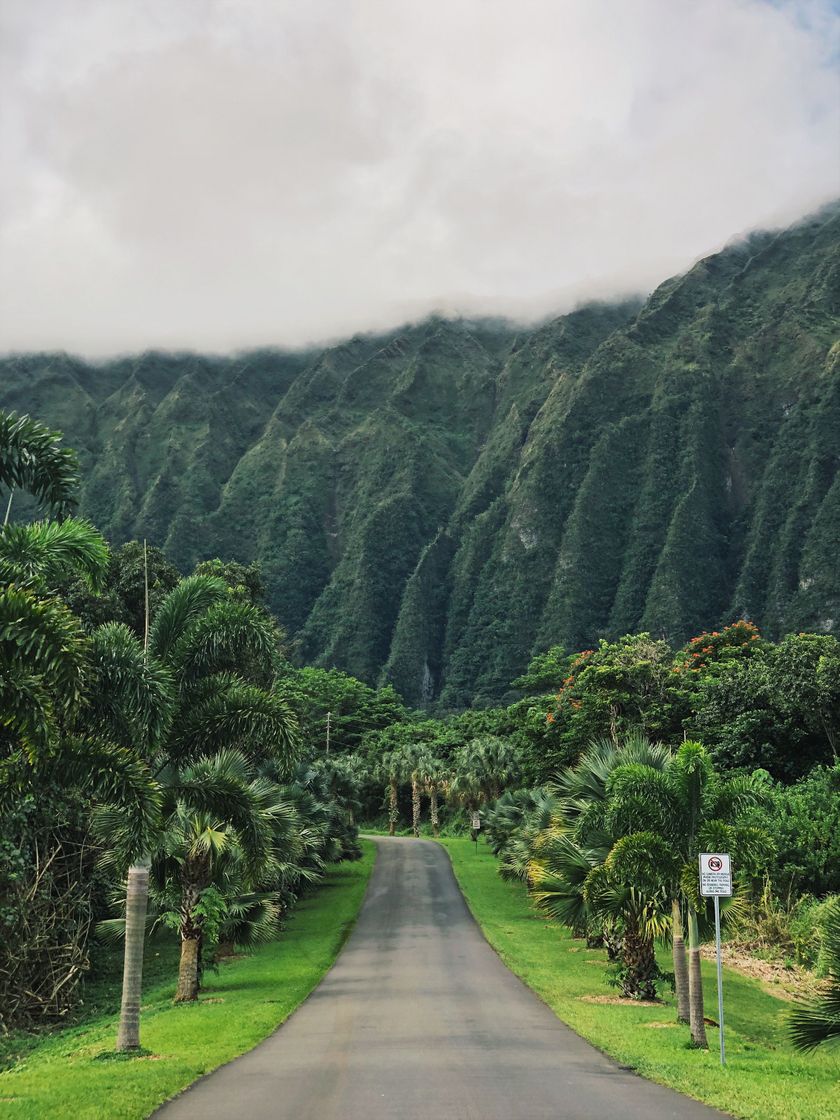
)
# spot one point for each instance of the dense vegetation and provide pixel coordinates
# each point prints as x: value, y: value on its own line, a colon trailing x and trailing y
x: 151, y: 757
x: 432, y: 507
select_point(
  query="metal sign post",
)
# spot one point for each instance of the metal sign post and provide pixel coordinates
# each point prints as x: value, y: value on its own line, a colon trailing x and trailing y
x: 716, y: 882
x: 476, y: 825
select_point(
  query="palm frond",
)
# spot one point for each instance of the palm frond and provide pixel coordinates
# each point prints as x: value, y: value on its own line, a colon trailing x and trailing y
x: 32, y: 459
x: 41, y: 551
x: 185, y: 603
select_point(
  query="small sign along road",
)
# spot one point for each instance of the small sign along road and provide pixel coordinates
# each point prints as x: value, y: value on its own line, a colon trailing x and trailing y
x: 715, y: 875
x: 716, y: 883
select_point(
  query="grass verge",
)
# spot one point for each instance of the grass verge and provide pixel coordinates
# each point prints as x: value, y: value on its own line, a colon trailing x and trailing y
x: 72, y: 1072
x: 765, y: 1079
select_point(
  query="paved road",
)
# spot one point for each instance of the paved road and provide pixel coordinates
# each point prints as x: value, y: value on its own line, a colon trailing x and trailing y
x: 420, y: 1020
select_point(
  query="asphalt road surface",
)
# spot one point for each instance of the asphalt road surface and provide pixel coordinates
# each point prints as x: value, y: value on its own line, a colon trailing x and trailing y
x: 420, y: 1020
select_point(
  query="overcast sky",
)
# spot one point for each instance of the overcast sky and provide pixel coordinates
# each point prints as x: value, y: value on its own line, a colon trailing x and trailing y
x: 219, y: 174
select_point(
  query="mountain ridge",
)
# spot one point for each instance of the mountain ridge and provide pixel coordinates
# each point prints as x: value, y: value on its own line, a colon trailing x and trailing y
x: 432, y: 505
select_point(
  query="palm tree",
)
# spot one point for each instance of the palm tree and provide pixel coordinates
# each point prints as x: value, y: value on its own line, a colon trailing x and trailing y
x: 482, y: 769
x: 686, y: 807
x: 512, y: 826
x: 433, y: 773
x: 814, y: 1025
x: 579, y: 880
x: 389, y: 769
x: 211, y: 807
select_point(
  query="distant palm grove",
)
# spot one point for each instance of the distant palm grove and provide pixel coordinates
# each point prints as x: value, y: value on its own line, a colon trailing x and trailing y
x: 433, y: 507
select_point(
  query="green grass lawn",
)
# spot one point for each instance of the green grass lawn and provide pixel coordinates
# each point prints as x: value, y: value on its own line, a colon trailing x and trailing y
x: 765, y: 1079
x: 71, y: 1072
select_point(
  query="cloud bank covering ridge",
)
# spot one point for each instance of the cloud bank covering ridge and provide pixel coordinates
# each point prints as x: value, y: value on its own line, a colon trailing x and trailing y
x: 219, y: 174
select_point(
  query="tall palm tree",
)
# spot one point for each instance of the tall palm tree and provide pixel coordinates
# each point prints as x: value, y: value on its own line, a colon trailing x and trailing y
x: 482, y: 769
x: 434, y: 774
x: 389, y: 769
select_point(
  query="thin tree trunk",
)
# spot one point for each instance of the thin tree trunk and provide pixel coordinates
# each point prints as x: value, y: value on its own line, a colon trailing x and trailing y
x: 680, y: 963
x: 393, y: 815
x: 415, y: 806
x: 695, y: 984
x: 433, y: 809
x: 137, y: 897
x: 188, y: 968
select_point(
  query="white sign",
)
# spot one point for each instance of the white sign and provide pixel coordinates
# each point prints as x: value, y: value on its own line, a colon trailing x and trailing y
x: 476, y: 821
x: 715, y: 874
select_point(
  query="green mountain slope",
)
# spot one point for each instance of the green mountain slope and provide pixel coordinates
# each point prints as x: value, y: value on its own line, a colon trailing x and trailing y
x: 432, y: 506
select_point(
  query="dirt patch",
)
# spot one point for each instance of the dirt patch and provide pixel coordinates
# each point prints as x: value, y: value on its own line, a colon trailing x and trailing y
x: 662, y: 1026
x: 789, y: 982
x: 213, y: 999
x: 622, y: 1000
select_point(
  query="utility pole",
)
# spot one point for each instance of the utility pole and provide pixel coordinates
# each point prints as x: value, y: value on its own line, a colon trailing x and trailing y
x: 329, y: 718
x: 146, y: 599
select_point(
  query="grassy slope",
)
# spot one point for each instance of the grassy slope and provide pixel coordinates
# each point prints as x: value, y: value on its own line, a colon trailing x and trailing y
x: 71, y: 1072
x: 764, y: 1079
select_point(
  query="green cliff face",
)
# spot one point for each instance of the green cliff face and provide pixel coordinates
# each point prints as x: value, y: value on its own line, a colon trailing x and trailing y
x: 433, y: 506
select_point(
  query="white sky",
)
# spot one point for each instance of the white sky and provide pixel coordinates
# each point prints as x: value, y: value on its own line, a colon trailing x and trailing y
x: 219, y: 174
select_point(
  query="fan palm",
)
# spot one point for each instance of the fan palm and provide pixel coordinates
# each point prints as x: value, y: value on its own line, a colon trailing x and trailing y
x: 578, y: 878
x: 482, y: 769
x: 434, y: 774
x: 811, y: 1026
x: 389, y: 769
x: 211, y: 807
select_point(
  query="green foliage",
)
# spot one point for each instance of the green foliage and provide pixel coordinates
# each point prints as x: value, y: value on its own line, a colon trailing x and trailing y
x: 37, y: 554
x: 778, y: 709
x: 32, y: 459
x: 122, y: 592
x: 244, y: 580
x: 819, y: 1023
x: 803, y: 820
x: 620, y: 686
x: 355, y: 708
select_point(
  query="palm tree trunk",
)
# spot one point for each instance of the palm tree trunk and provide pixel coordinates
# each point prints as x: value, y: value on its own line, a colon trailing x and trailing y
x: 393, y: 816
x: 433, y: 809
x: 680, y: 963
x: 415, y: 806
x: 137, y: 897
x: 639, y: 960
x: 695, y: 984
x: 188, y: 967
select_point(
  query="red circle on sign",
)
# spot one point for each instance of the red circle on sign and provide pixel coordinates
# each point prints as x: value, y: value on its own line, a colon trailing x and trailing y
x: 715, y: 864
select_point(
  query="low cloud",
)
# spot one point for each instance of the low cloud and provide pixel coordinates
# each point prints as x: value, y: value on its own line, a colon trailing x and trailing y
x: 217, y: 174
